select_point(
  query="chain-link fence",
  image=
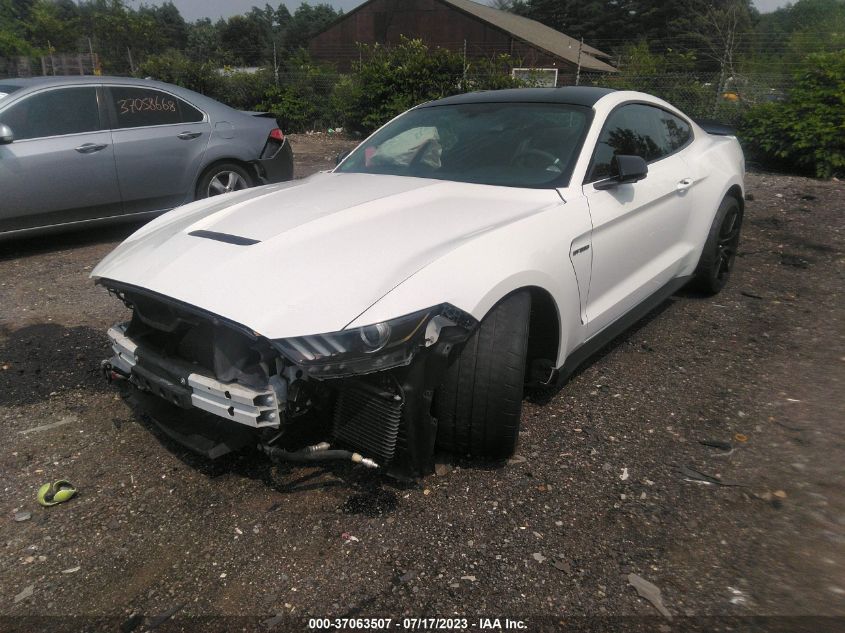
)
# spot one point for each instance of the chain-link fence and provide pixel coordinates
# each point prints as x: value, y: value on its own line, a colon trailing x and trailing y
x: 56, y: 64
x: 303, y: 97
x: 708, y: 95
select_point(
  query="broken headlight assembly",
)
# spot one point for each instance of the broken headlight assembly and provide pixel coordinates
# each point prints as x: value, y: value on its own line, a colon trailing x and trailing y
x: 375, y: 347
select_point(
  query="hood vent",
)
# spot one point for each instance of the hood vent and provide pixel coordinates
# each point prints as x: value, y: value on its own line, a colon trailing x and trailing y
x: 225, y: 237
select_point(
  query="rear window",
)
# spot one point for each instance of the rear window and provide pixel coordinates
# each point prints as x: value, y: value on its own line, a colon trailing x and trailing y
x: 143, y: 107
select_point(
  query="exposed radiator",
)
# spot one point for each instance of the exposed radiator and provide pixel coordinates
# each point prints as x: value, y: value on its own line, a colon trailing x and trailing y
x: 367, y: 418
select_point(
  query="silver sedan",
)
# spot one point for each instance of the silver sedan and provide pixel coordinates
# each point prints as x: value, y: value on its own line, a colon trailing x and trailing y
x: 76, y: 151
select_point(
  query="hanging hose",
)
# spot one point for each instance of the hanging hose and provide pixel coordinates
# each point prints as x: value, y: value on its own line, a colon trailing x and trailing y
x: 317, y: 453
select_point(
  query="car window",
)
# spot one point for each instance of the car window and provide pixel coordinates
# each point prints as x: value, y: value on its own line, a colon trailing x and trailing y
x: 141, y: 107
x: 509, y: 144
x: 53, y: 113
x: 676, y: 132
x: 640, y: 130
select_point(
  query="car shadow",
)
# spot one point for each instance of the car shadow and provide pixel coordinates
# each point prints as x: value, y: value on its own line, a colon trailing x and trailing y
x: 68, y: 240
x: 544, y: 396
x: 40, y: 359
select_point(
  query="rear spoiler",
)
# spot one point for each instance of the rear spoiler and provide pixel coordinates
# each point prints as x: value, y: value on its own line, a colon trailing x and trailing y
x: 266, y: 115
x: 714, y: 127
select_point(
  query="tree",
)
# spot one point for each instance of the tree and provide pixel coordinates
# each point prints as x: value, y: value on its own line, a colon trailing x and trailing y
x: 170, y: 26
x: 13, y: 36
x: 203, y: 43
x: 306, y: 22
x: 244, y: 40
x: 54, y: 25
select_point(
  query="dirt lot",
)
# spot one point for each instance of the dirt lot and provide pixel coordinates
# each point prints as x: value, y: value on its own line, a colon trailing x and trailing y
x: 159, y: 538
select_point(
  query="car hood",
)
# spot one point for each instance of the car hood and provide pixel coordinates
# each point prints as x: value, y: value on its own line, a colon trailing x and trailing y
x: 310, y: 256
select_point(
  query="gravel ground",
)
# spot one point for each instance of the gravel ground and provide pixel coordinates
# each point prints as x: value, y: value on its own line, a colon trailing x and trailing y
x: 602, y: 488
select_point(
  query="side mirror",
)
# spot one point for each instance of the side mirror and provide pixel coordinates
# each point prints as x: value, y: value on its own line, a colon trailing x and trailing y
x: 625, y: 169
x: 339, y: 159
x: 6, y: 134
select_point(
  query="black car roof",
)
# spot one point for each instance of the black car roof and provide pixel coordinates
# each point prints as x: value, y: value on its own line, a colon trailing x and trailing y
x: 572, y: 95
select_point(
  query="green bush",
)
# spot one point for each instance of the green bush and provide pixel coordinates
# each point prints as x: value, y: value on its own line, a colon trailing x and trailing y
x: 388, y: 81
x: 174, y: 67
x: 806, y: 132
x: 242, y: 90
x: 303, y: 100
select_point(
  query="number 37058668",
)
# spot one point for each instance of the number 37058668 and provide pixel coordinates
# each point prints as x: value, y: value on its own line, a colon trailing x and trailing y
x: 146, y: 104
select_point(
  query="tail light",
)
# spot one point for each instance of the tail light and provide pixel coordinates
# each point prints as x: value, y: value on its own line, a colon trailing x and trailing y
x: 273, y: 144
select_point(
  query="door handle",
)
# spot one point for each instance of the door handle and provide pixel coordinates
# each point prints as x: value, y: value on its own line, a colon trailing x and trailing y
x: 90, y: 148
x: 187, y: 136
x: 685, y: 184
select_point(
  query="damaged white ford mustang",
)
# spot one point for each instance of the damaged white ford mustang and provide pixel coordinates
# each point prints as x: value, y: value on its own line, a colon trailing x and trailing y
x: 472, y: 248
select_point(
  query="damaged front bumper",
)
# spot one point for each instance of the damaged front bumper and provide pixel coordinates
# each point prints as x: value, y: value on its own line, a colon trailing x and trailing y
x: 378, y: 405
x: 178, y: 382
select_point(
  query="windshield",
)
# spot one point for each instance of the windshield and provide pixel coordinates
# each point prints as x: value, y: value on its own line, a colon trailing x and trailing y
x: 509, y: 144
x: 7, y: 89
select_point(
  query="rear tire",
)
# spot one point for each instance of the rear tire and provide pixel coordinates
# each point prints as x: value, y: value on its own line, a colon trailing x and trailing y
x: 479, y: 404
x: 717, y: 258
x: 223, y: 178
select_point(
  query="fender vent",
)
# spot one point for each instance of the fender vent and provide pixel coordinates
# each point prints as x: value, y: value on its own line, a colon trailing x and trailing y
x: 367, y: 419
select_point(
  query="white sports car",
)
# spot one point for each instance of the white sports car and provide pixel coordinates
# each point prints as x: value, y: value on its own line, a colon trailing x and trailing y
x: 471, y: 248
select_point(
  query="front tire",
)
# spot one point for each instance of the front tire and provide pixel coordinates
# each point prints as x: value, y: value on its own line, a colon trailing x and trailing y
x: 223, y: 178
x: 717, y: 258
x: 479, y: 404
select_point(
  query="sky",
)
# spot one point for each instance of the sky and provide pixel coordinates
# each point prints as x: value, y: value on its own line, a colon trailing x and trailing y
x: 193, y: 9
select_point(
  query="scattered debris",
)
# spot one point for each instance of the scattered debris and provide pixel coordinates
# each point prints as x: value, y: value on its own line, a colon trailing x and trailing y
x: 71, y: 570
x: 158, y: 620
x: 748, y: 293
x: 517, y: 459
x: 23, y: 515
x: 739, y: 437
x: 442, y: 468
x: 51, y: 494
x: 470, y: 578
x: 349, y: 538
x: 724, y: 446
x: 563, y: 566
x: 795, y: 261
x: 780, y: 494
x: 26, y: 593
x: 51, y: 425
x: 538, y: 557
x: 691, y: 474
x: 650, y: 592
x: 738, y: 596
x: 271, y: 623
x: 624, y: 475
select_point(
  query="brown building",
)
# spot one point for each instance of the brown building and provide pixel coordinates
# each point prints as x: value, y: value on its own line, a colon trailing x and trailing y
x: 457, y: 25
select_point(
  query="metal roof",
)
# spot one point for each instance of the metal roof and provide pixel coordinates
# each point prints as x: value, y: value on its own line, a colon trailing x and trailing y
x: 572, y: 95
x: 536, y: 34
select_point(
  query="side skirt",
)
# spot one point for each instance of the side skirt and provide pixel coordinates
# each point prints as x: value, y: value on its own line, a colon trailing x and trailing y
x: 593, y: 345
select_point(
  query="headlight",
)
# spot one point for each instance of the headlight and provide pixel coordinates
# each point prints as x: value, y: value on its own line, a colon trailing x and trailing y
x: 373, y: 347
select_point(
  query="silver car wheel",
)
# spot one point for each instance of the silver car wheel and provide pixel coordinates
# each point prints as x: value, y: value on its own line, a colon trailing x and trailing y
x: 226, y: 181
